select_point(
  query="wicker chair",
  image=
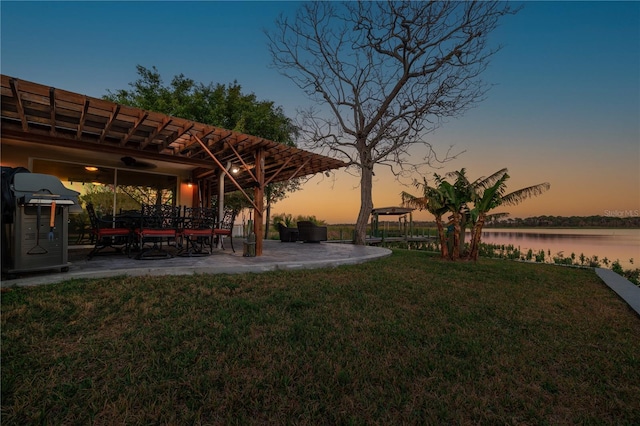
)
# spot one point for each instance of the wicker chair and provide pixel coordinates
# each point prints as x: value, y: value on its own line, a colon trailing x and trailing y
x: 287, y: 235
x: 309, y: 232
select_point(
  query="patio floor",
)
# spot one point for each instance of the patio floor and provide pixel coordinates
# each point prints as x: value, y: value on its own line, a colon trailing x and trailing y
x: 276, y: 256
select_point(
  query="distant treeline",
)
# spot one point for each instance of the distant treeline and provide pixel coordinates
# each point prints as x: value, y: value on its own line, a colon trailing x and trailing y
x: 632, y: 221
x: 568, y: 222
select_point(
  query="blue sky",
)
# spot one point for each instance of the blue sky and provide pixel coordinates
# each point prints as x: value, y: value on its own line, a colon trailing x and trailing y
x: 565, y: 107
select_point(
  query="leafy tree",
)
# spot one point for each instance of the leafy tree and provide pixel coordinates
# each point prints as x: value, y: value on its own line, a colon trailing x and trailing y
x: 275, y: 192
x: 218, y: 105
x: 128, y: 197
x: 289, y: 221
x: 384, y: 74
x: 311, y: 218
x: 284, y: 218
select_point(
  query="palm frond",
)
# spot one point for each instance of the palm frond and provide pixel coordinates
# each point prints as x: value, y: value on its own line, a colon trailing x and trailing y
x: 455, y: 173
x: 410, y: 200
x: 438, y: 179
x: 486, y: 182
x: 516, y: 197
x: 461, y: 177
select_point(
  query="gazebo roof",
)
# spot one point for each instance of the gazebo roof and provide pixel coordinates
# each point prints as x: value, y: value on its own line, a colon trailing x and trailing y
x: 392, y: 211
x: 36, y: 113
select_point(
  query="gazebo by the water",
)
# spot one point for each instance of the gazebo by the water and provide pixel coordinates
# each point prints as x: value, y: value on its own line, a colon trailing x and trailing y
x: 404, y: 222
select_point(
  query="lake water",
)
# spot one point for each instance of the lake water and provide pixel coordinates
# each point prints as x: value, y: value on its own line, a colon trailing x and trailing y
x: 621, y: 244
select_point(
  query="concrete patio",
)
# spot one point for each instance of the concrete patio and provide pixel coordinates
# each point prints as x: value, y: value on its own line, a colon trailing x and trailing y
x: 276, y: 256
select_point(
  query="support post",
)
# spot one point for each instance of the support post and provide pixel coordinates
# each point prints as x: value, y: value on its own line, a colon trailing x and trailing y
x: 221, y: 201
x: 258, y: 198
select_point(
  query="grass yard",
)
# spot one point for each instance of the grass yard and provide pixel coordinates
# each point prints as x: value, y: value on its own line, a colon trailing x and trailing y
x: 408, y: 339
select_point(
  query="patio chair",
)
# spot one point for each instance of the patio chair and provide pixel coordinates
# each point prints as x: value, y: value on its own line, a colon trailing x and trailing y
x: 309, y: 232
x: 106, y: 235
x: 224, y: 228
x: 158, y: 225
x: 196, y: 231
x: 287, y: 234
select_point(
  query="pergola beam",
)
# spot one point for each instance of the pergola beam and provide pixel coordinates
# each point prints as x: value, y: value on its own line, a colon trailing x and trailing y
x: 273, y: 176
x: 16, y: 94
x: 132, y: 130
x: 83, y: 116
x: 246, y: 167
x: 52, y: 102
x: 224, y: 169
x: 164, y: 123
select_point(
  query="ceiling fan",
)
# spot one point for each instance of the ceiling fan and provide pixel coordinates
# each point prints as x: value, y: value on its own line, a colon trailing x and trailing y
x: 132, y: 162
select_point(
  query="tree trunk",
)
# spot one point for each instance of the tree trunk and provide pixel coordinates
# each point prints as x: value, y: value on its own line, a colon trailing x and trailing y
x: 455, y: 254
x: 267, y: 219
x: 463, y: 234
x: 475, y: 237
x: 366, y: 205
x: 444, y: 249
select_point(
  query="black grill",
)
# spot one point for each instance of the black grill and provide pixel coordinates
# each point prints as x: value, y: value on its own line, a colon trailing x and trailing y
x: 35, y: 217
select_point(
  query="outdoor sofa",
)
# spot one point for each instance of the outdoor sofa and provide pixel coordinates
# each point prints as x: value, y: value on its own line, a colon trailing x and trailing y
x: 309, y: 232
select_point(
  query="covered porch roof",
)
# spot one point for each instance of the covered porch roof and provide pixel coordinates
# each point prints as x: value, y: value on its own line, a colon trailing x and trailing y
x: 36, y: 113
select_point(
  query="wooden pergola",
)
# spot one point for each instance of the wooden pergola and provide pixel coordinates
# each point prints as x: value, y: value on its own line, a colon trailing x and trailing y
x: 40, y: 114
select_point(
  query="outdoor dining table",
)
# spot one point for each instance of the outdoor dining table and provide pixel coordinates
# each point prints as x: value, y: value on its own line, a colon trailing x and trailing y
x: 129, y: 218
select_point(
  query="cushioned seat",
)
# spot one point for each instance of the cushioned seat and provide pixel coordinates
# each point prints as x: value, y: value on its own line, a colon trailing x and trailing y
x: 158, y: 225
x: 309, y: 232
x: 196, y: 231
x: 225, y: 227
x: 106, y: 235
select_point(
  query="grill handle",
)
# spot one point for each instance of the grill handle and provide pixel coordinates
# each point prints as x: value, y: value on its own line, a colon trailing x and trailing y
x: 52, y: 220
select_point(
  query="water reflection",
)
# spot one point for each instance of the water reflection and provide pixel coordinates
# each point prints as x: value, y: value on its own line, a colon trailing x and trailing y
x: 620, y: 244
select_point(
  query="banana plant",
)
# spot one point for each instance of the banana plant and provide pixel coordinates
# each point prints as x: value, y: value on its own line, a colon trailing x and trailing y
x: 457, y: 195
x: 483, y: 195
x: 487, y: 194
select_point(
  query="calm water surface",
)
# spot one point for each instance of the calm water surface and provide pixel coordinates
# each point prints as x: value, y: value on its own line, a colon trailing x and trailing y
x: 621, y: 244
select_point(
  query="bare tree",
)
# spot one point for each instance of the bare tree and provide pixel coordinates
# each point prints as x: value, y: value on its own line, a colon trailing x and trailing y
x: 383, y: 76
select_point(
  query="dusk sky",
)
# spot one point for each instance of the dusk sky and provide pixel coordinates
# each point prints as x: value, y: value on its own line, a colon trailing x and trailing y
x: 565, y: 108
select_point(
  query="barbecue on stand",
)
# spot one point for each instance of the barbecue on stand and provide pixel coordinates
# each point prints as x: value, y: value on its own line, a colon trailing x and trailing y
x: 35, y: 217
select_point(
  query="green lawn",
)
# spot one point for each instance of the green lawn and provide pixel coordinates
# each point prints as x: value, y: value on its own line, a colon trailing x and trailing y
x: 407, y: 339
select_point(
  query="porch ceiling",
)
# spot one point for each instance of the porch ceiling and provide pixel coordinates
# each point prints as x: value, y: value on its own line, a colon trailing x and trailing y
x: 36, y: 113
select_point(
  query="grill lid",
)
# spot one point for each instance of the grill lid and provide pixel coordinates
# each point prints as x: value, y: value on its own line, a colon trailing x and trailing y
x: 36, y: 188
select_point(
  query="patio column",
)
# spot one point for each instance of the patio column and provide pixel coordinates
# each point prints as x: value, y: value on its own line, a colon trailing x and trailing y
x: 221, y: 199
x: 258, y: 198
